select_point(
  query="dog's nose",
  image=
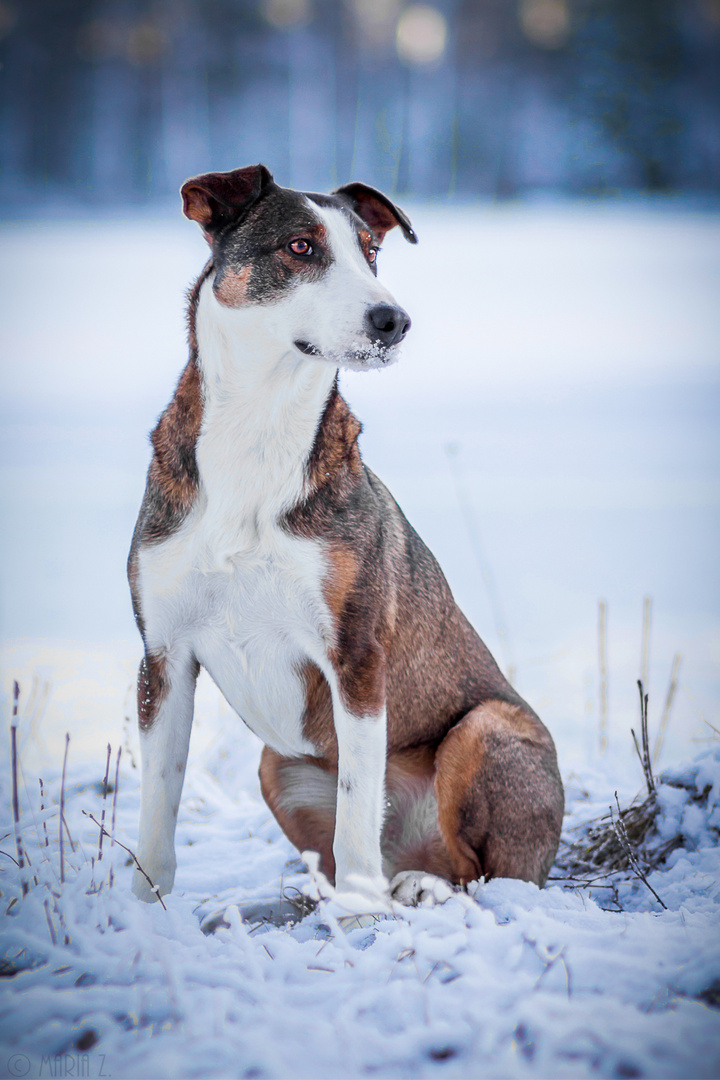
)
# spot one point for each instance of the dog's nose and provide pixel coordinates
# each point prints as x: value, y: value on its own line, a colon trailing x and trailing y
x: 387, y: 325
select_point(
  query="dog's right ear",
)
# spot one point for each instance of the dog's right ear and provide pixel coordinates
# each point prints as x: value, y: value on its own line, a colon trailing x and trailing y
x: 215, y: 200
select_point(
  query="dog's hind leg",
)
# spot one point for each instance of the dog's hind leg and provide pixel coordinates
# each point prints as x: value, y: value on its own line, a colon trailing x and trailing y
x: 166, y: 689
x: 303, y: 798
x: 500, y: 797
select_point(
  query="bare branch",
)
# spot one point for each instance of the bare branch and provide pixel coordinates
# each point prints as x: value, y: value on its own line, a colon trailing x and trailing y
x: 15, y: 796
x: 132, y: 855
x: 622, y: 836
x: 62, y: 810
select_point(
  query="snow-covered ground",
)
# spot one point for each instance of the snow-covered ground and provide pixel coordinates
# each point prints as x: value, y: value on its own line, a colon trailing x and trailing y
x: 551, y: 431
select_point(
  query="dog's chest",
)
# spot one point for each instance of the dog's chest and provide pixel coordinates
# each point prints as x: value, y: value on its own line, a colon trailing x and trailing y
x: 252, y: 620
x: 244, y: 594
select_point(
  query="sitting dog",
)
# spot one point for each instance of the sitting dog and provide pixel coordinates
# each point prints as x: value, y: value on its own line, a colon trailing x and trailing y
x: 268, y: 553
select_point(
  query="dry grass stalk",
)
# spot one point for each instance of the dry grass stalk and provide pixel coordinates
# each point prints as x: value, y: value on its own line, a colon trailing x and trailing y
x: 644, y: 755
x: 599, y: 851
x: 15, y: 795
x: 621, y: 833
x: 610, y: 845
x: 105, y: 795
x: 132, y: 855
x: 62, y: 810
x: 51, y: 928
x: 51, y: 904
x: 114, y: 809
x: 42, y: 808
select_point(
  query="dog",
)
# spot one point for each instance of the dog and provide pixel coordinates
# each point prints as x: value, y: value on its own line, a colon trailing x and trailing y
x: 268, y: 553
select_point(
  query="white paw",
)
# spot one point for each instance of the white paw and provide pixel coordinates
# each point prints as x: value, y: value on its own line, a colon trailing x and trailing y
x: 161, y: 882
x: 357, y: 922
x: 363, y: 895
x: 356, y: 894
x: 413, y: 888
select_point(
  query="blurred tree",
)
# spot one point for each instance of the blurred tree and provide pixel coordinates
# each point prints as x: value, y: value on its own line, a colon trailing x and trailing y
x: 628, y: 57
x: 116, y: 100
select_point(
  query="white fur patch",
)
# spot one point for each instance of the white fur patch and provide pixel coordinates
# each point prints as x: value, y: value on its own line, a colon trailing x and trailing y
x: 164, y: 748
x: 230, y: 586
x: 344, y: 296
x: 362, y: 757
x: 305, y: 785
x: 414, y: 889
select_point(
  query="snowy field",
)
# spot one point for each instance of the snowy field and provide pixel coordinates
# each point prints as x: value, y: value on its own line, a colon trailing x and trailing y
x: 551, y: 431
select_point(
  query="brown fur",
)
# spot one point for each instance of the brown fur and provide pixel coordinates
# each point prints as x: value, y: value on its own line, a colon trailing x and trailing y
x: 172, y: 469
x: 500, y: 802
x: 308, y: 828
x: 231, y: 287
x: 172, y: 479
x: 152, y: 688
x: 401, y: 638
x: 318, y: 726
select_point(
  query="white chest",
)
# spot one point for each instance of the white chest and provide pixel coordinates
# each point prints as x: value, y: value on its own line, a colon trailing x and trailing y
x: 252, y: 623
x: 233, y: 587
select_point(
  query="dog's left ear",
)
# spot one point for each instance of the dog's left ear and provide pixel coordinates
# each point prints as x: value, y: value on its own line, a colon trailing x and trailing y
x: 377, y: 210
x: 218, y: 199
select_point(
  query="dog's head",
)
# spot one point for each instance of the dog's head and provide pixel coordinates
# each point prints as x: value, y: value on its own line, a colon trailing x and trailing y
x: 311, y: 259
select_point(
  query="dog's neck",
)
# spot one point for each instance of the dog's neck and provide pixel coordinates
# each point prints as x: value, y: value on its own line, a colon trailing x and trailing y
x: 262, y: 408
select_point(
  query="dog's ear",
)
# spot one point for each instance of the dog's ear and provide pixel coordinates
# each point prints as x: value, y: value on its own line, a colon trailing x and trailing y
x: 218, y: 199
x: 377, y: 210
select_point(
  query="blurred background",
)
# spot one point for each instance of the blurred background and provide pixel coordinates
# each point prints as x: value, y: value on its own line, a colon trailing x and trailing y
x: 103, y: 101
x: 552, y: 427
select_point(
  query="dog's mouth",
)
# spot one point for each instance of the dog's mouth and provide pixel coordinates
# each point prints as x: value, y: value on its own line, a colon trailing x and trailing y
x: 359, y: 358
x: 306, y: 348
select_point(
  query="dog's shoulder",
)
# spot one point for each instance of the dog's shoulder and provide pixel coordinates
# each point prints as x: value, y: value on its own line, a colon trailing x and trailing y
x: 173, y: 478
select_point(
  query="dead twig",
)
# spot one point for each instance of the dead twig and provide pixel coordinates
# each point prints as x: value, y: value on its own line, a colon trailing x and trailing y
x: 62, y: 810
x: 622, y: 836
x: 105, y: 795
x: 15, y: 796
x: 114, y: 808
x: 42, y: 811
x: 133, y: 856
x: 644, y: 756
x: 51, y: 928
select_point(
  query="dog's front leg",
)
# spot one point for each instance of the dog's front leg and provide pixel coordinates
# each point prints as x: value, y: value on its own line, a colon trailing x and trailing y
x: 358, y: 692
x: 166, y: 691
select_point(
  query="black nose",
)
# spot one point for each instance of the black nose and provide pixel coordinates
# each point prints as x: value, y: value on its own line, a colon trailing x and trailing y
x: 387, y: 325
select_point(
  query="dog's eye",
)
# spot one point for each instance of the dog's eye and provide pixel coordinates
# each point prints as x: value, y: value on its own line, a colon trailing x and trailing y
x: 372, y: 255
x: 300, y: 247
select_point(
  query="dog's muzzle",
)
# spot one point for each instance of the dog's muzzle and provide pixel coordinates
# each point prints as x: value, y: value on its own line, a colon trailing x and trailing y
x: 306, y: 348
x: 386, y: 325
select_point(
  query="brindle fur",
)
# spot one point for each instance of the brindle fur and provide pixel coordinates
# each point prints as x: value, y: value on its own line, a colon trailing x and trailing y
x: 503, y: 792
x: 457, y: 731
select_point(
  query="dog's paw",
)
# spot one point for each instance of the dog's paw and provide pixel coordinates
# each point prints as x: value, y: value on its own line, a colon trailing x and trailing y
x: 160, y: 883
x: 413, y: 888
x: 359, y: 900
x: 360, y: 922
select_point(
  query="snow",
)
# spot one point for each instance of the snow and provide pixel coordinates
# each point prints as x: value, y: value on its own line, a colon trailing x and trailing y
x: 567, y: 353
